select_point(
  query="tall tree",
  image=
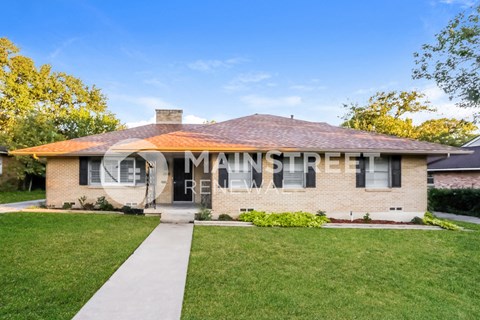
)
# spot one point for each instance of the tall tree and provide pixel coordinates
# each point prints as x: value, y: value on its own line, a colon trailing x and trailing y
x: 453, y: 60
x: 38, y: 105
x: 390, y: 113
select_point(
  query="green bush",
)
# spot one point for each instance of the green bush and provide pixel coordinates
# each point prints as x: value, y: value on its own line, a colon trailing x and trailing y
x: 204, y: 214
x: 249, y: 216
x: 130, y: 210
x: 225, y: 217
x: 366, y: 218
x: 104, y: 205
x: 284, y: 219
x: 417, y: 220
x: 67, y: 205
x: 459, y: 201
x: 431, y: 219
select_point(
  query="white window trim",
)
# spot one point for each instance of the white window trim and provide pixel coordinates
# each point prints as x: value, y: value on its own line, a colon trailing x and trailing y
x: 389, y: 176
x: 286, y: 168
x: 244, y: 186
x: 113, y: 184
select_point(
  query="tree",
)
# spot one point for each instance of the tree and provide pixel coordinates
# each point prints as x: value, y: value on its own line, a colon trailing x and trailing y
x: 38, y: 105
x: 388, y: 113
x: 453, y: 61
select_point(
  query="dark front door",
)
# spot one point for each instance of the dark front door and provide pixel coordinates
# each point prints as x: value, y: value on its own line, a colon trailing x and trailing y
x: 182, y: 181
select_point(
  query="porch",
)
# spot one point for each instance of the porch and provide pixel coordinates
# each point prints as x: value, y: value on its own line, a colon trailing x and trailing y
x: 174, y: 213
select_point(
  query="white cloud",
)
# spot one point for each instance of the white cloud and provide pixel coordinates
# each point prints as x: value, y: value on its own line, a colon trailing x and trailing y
x: 143, y: 101
x: 262, y: 101
x: 306, y: 88
x: 372, y: 90
x: 242, y: 81
x: 61, y: 47
x: 211, y: 65
x: 140, y: 123
x: 192, y: 119
x: 462, y: 3
x: 155, y: 82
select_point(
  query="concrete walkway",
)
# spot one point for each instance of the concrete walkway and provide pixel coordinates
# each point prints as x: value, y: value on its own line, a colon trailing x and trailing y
x: 457, y: 217
x: 150, y: 284
x: 19, y: 206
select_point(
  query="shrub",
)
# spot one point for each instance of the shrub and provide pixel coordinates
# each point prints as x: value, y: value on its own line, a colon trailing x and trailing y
x: 204, y: 214
x: 67, y: 205
x: 366, y: 218
x: 417, y: 220
x: 460, y: 201
x: 84, y: 204
x: 249, y: 216
x: 321, y: 213
x: 224, y: 217
x: 284, y: 219
x: 130, y: 210
x: 103, y: 204
x: 431, y: 219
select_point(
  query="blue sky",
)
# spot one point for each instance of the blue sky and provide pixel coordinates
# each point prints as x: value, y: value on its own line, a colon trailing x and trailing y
x: 224, y: 59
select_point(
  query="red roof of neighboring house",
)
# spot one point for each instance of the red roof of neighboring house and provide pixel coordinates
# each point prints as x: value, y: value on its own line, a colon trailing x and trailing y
x: 256, y: 132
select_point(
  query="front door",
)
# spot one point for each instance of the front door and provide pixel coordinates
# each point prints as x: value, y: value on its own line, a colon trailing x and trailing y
x: 182, y: 181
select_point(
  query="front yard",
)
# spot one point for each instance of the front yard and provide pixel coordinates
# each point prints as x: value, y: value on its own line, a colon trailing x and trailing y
x: 297, y: 273
x: 51, y: 264
x: 17, y: 196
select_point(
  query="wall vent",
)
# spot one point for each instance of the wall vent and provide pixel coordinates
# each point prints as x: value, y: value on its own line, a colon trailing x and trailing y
x: 246, y: 209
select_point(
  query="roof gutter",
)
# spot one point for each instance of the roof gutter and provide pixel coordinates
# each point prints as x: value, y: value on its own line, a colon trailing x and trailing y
x: 454, y: 169
x: 243, y: 149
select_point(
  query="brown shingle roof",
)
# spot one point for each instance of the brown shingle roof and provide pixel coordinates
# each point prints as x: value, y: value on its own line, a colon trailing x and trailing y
x: 255, y: 132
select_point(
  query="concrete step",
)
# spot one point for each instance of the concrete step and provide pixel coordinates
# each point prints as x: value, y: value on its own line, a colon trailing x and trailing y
x: 177, y: 217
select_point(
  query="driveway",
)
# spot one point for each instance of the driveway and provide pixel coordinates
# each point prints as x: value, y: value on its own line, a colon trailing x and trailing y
x: 19, y: 206
x: 457, y: 217
x: 150, y: 284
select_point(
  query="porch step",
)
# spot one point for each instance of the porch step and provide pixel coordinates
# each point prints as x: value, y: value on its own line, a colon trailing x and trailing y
x: 173, y: 213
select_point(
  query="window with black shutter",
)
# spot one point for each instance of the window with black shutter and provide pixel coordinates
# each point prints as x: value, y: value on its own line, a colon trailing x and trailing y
x: 278, y: 172
x: 83, y: 172
x: 360, y: 176
x: 257, y: 174
x: 310, y: 175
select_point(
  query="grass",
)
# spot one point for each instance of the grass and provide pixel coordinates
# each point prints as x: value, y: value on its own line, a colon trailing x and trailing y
x: 17, y: 196
x: 51, y: 264
x: 301, y: 273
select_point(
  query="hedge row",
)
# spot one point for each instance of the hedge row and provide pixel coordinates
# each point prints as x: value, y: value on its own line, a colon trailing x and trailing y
x: 459, y: 201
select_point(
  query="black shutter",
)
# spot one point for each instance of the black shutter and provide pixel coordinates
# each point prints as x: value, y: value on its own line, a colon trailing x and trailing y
x: 396, y: 171
x: 257, y: 175
x: 223, y: 176
x: 360, y: 173
x: 83, y: 174
x: 278, y: 176
x: 310, y: 179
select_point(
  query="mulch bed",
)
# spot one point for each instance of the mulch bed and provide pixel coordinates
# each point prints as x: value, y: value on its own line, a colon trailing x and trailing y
x: 333, y: 220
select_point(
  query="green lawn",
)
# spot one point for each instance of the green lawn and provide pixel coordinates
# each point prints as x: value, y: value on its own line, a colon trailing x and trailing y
x: 299, y: 273
x: 17, y: 196
x: 51, y: 264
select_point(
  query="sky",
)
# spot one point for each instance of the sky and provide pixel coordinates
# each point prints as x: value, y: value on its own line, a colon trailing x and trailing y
x: 219, y: 60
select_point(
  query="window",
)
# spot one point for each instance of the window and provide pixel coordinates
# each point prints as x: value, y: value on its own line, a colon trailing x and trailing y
x: 240, y: 172
x: 430, y: 180
x: 129, y: 171
x: 380, y: 176
x: 293, y: 174
x: 1, y: 165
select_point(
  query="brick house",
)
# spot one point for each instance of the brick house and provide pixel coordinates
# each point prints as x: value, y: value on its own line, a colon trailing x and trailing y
x: 260, y: 162
x: 456, y: 171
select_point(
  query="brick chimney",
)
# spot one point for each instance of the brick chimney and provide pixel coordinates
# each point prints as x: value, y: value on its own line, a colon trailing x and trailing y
x: 168, y: 116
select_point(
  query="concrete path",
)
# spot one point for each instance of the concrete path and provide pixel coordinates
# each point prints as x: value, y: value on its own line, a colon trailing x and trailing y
x: 150, y: 284
x: 19, y: 206
x: 457, y: 217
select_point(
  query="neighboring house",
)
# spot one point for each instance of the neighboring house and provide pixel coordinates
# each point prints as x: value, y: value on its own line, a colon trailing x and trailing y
x: 456, y: 171
x: 394, y: 189
x: 7, y: 175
